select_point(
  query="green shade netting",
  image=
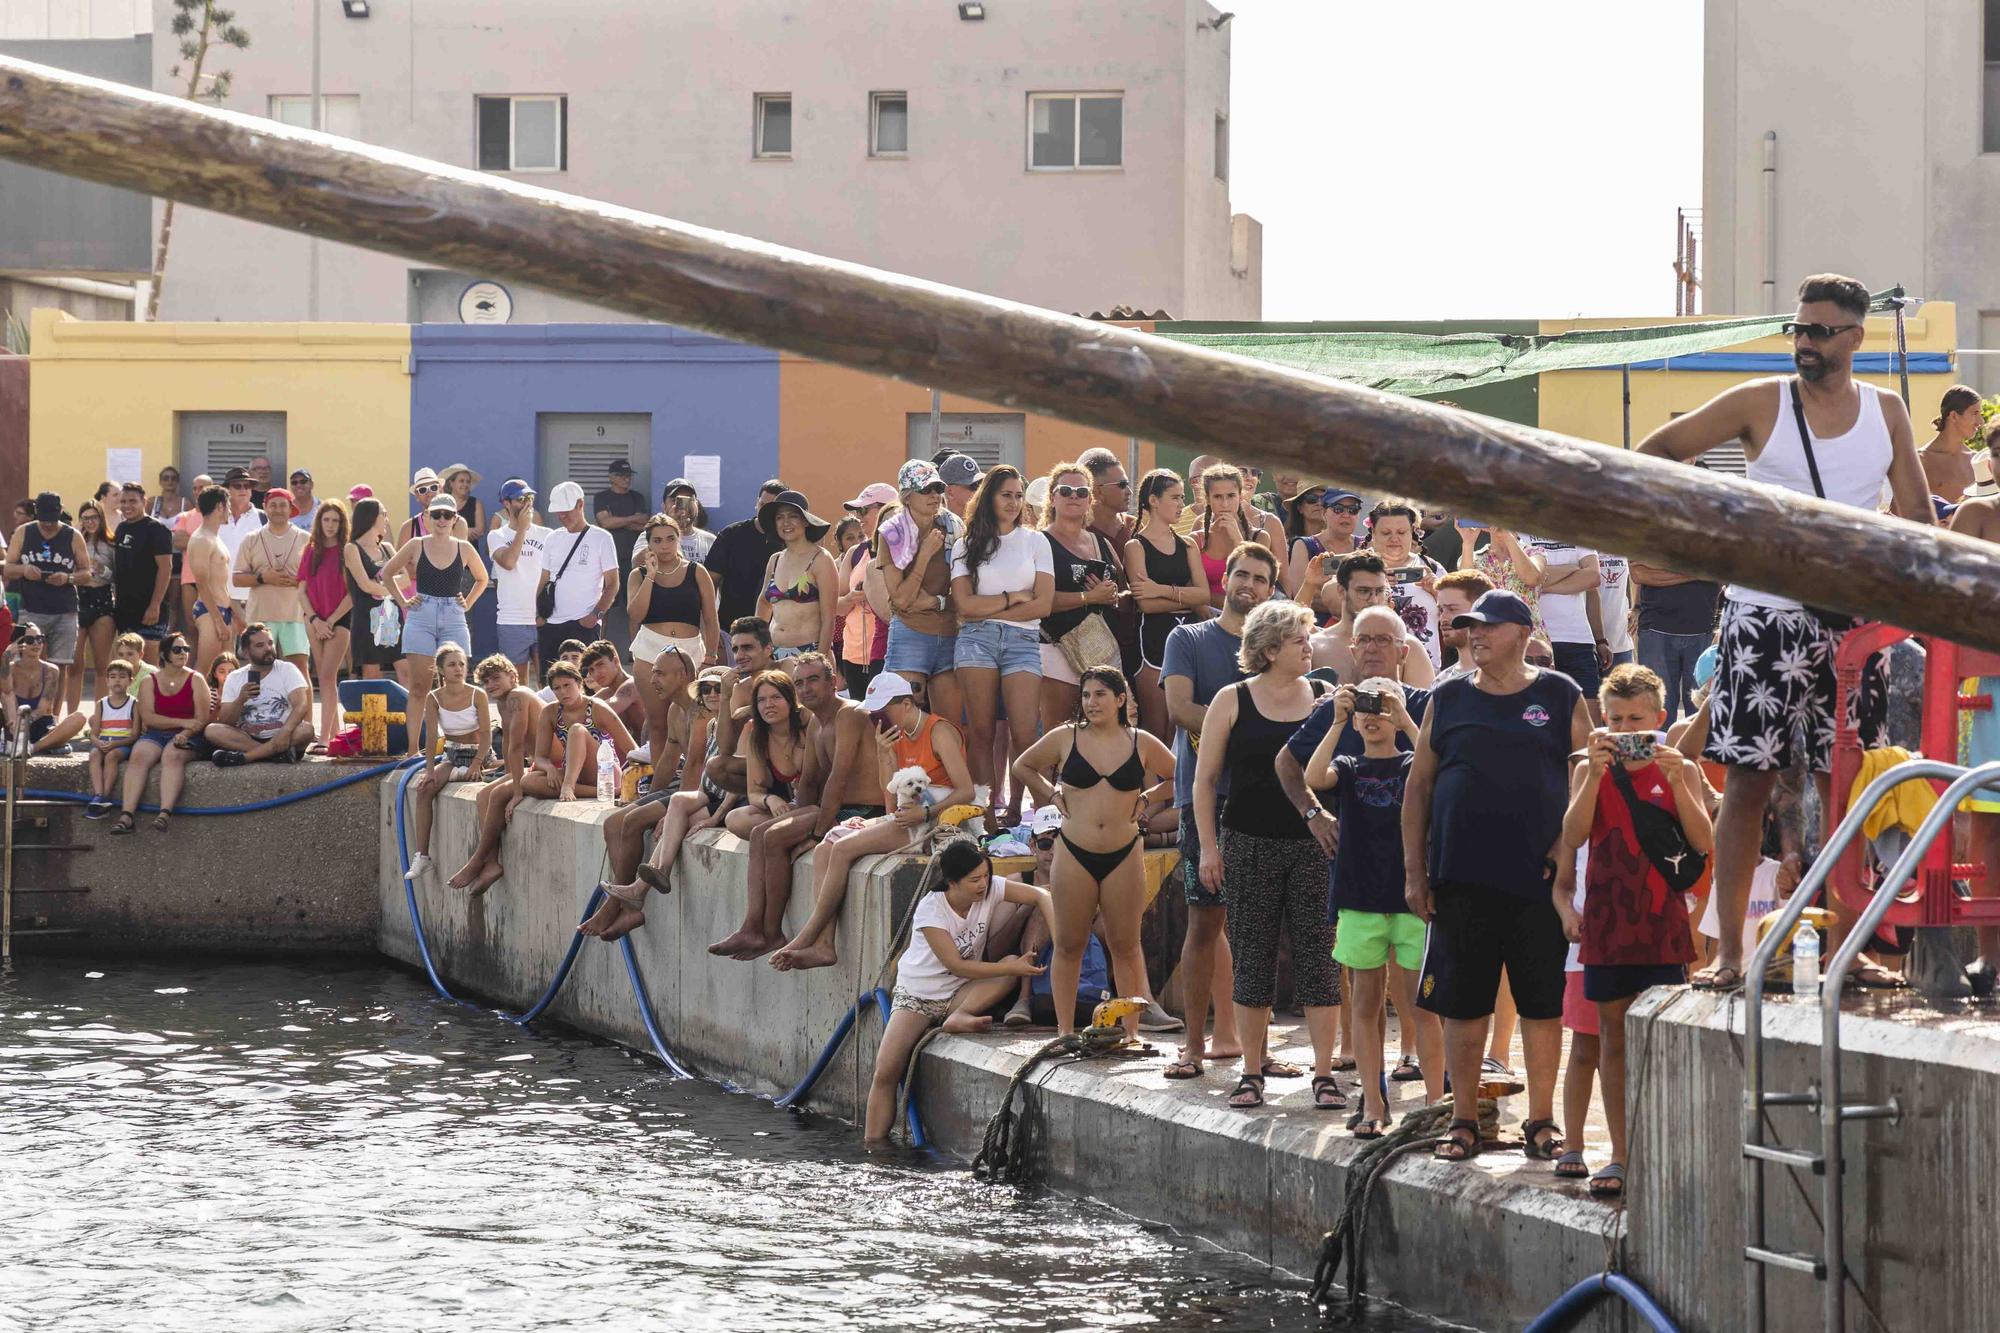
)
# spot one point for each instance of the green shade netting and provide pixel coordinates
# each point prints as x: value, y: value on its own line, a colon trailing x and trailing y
x: 1422, y: 363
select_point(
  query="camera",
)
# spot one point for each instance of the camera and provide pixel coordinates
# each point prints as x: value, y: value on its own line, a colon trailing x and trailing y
x: 1410, y: 574
x: 1637, y: 746
x: 1367, y: 701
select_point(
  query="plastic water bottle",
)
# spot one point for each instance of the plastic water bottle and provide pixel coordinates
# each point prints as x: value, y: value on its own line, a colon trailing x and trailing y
x: 607, y: 774
x: 1805, y: 960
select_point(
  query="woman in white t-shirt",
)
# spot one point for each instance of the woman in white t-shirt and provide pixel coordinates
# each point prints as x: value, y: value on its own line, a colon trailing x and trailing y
x: 1003, y: 579
x: 945, y: 975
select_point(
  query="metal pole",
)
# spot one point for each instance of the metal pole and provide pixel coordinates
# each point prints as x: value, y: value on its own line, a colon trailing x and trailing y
x: 318, y: 123
x: 1902, y: 354
x: 937, y: 419
x: 1625, y: 377
x: 1770, y: 222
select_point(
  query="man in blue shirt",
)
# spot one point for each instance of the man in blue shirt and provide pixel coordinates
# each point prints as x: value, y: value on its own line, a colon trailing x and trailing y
x: 1200, y: 660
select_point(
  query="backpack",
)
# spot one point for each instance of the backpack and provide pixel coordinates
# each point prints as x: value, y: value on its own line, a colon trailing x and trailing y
x: 1093, y: 984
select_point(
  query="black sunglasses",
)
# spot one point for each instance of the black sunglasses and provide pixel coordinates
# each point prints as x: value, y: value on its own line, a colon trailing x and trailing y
x: 1343, y: 507
x: 1042, y: 844
x: 1818, y: 333
x: 1536, y: 659
x: 1123, y: 484
x: 176, y: 648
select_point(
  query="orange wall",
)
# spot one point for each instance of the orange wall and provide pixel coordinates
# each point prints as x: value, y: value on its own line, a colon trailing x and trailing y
x: 839, y: 430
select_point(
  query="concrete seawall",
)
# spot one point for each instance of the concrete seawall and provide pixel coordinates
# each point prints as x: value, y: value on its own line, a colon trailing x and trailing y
x: 292, y: 881
x: 1489, y: 1245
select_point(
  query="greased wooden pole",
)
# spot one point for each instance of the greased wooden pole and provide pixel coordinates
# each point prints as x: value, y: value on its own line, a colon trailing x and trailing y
x: 1000, y: 352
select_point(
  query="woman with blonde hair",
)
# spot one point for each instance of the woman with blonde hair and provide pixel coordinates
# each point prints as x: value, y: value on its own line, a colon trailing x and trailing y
x: 672, y: 601
x: 1263, y: 850
x: 1086, y: 587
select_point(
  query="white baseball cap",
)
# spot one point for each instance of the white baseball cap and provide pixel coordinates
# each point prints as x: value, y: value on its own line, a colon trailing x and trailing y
x: 566, y: 496
x: 884, y: 688
x: 1048, y: 819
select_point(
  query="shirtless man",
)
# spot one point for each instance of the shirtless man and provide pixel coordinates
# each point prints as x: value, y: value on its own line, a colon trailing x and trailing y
x: 750, y: 649
x: 208, y: 560
x: 625, y: 832
x: 842, y: 784
x: 610, y: 682
x: 518, y: 709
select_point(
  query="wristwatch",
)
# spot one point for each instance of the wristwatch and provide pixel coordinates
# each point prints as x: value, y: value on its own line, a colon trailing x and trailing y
x: 940, y: 602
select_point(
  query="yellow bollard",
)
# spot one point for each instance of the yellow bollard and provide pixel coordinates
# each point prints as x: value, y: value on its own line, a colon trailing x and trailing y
x: 375, y: 719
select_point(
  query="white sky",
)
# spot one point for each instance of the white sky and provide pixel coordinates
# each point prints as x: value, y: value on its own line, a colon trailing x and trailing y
x: 1458, y: 159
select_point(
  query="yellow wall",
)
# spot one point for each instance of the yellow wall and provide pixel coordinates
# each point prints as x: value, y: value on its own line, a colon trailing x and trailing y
x: 344, y: 390
x: 1587, y: 403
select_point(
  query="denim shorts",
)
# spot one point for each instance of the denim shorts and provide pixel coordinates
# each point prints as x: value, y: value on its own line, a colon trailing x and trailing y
x: 999, y: 645
x: 915, y: 651
x: 432, y: 623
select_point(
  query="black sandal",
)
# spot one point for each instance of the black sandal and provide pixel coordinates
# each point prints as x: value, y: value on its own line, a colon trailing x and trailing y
x: 160, y: 821
x: 1541, y: 1150
x: 1460, y: 1142
x: 1323, y: 1085
x: 123, y: 824
x: 1250, y: 1085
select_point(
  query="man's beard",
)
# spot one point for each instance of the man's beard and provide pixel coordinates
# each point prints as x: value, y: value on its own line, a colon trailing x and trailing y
x: 1242, y: 604
x: 264, y: 661
x: 1812, y: 371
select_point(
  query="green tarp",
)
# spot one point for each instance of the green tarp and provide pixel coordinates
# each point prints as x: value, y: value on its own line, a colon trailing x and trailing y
x: 1426, y: 364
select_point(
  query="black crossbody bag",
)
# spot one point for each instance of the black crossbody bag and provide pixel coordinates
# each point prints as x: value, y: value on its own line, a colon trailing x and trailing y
x: 1661, y: 837
x: 1837, y: 622
x: 545, y: 596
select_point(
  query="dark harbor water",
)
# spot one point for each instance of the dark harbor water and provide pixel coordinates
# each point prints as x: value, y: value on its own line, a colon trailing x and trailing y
x: 278, y: 1148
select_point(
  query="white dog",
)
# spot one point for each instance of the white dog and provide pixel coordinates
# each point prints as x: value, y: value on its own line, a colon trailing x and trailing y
x: 907, y: 785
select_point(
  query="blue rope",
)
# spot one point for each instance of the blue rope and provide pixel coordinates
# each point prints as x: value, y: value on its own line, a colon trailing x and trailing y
x: 1593, y: 1289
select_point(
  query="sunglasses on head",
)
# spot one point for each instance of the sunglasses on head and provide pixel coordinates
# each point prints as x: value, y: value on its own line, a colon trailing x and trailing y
x: 1071, y: 492
x: 1818, y: 333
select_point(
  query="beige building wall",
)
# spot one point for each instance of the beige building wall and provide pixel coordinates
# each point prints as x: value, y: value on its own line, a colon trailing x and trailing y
x: 1879, y: 113
x: 660, y: 118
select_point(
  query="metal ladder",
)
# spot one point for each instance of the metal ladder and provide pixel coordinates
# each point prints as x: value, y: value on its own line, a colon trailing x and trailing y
x: 16, y: 759
x: 1829, y: 1266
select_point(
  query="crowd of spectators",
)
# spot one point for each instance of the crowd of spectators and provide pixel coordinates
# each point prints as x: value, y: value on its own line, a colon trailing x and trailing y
x: 1420, y: 755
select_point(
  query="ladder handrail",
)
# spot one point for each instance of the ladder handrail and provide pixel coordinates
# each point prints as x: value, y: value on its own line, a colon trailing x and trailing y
x: 1832, y: 1115
x: 1753, y: 1013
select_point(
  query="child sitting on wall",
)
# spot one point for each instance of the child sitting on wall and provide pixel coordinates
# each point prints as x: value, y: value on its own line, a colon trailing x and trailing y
x: 113, y: 729
x: 944, y: 976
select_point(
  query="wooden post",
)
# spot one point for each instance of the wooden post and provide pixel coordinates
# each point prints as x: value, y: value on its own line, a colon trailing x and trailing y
x: 1116, y: 380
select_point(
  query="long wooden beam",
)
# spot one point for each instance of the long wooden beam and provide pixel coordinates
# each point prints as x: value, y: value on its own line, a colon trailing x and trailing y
x: 1001, y: 352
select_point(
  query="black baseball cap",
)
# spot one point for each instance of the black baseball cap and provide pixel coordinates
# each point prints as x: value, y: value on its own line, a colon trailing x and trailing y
x: 299, y: 472
x: 621, y: 468
x: 235, y: 475
x: 678, y: 486
x: 48, y: 506
x: 1498, y: 607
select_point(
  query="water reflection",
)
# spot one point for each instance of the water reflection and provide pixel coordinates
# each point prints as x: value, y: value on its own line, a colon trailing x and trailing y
x: 328, y: 1147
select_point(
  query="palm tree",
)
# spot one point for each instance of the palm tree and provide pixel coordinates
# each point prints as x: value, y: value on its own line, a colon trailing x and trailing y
x: 199, y: 25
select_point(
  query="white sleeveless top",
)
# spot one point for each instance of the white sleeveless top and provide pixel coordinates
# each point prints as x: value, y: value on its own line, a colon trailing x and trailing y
x: 1853, y: 467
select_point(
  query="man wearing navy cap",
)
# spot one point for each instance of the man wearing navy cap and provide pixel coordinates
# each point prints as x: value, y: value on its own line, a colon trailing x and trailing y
x: 1482, y: 829
x: 516, y: 546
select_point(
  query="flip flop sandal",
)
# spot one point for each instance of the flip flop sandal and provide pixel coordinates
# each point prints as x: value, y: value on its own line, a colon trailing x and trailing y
x: 161, y: 820
x: 1279, y: 1069
x: 1251, y: 1086
x: 1460, y: 1142
x: 1327, y: 1095
x: 1343, y: 1064
x: 1608, y: 1183
x: 124, y: 825
x: 1368, y: 1129
x: 1407, y: 1071
x: 1570, y: 1166
x: 1182, y: 1068
x: 1541, y: 1150
x: 1491, y: 1066
x: 1721, y: 979
x: 656, y: 878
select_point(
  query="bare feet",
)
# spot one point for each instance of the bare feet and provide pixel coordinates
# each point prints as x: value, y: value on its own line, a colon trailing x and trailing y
x: 796, y: 958
x: 965, y: 1022
x: 1224, y: 1050
x: 566, y: 794
x: 629, y: 920
x: 619, y: 911
x: 486, y: 879
x: 728, y: 947
x: 756, y: 946
x: 463, y: 879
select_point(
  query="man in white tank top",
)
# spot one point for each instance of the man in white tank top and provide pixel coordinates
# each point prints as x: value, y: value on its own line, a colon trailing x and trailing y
x: 1773, y: 689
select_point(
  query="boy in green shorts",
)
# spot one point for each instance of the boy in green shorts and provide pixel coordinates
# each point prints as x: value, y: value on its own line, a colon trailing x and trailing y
x: 1372, y: 921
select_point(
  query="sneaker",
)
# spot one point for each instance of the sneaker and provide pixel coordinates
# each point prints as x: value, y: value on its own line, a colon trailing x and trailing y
x: 1156, y: 1019
x: 1018, y: 1016
x: 99, y: 809
x: 56, y: 751
x: 228, y: 759
x: 420, y: 864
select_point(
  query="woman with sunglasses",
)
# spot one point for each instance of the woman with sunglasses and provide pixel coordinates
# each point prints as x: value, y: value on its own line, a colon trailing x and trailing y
x: 34, y: 686
x: 1003, y: 583
x: 914, y: 559
x: 425, y: 487
x: 1086, y: 589
x: 1335, y: 514
x: 672, y: 601
x: 1099, y: 764
x: 1167, y: 583
x: 800, y: 583
x: 174, y: 706
x: 435, y: 615
x: 95, y: 623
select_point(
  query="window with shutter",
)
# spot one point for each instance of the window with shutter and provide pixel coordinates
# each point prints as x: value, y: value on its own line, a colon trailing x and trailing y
x: 582, y: 446
x: 987, y: 438
x: 214, y: 442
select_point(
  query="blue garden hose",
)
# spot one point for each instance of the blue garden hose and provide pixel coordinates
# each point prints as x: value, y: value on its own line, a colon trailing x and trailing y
x: 269, y: 803
x: 841, y: 1032
x: 1595, y: 1288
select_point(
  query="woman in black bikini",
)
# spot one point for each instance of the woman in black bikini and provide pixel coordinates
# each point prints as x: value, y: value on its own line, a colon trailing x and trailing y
x: 1167, y: 583
x: 1100, y: 765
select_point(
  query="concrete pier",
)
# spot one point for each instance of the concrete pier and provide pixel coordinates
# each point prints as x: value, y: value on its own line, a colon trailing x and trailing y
x: 1489, y: 1245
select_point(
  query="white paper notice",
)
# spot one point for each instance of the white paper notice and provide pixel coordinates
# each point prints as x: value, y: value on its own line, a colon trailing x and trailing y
x: 123, y: 465
x: 704, y: 473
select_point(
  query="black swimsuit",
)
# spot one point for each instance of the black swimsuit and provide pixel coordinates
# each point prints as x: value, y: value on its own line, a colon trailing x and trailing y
x: 1170, y: 569
x: 1076, y: 771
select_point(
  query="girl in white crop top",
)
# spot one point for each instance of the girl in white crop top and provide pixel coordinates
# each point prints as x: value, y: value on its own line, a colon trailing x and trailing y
x: 461, y: 716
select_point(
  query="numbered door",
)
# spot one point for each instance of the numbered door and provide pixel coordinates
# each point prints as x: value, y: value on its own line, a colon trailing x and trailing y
x: 988, y: 437
x: 582, y: 446
x: 214, y: 442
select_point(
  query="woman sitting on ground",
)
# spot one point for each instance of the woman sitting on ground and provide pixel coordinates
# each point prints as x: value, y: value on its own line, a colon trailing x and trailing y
x: 698, y: 805
x: 1261, y: 849
x: 463, y: 716
x: 174, y: 706
x: 1100, y: 765
x: 954, y: 969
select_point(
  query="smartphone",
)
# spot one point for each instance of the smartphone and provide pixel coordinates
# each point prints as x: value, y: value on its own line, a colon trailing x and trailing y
x: 1411, y: 574
x: 1367, y: 701
x: 255, y: 675
x: 1473, y: 523
x: 1637, y: 746
x: 882, y: 722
